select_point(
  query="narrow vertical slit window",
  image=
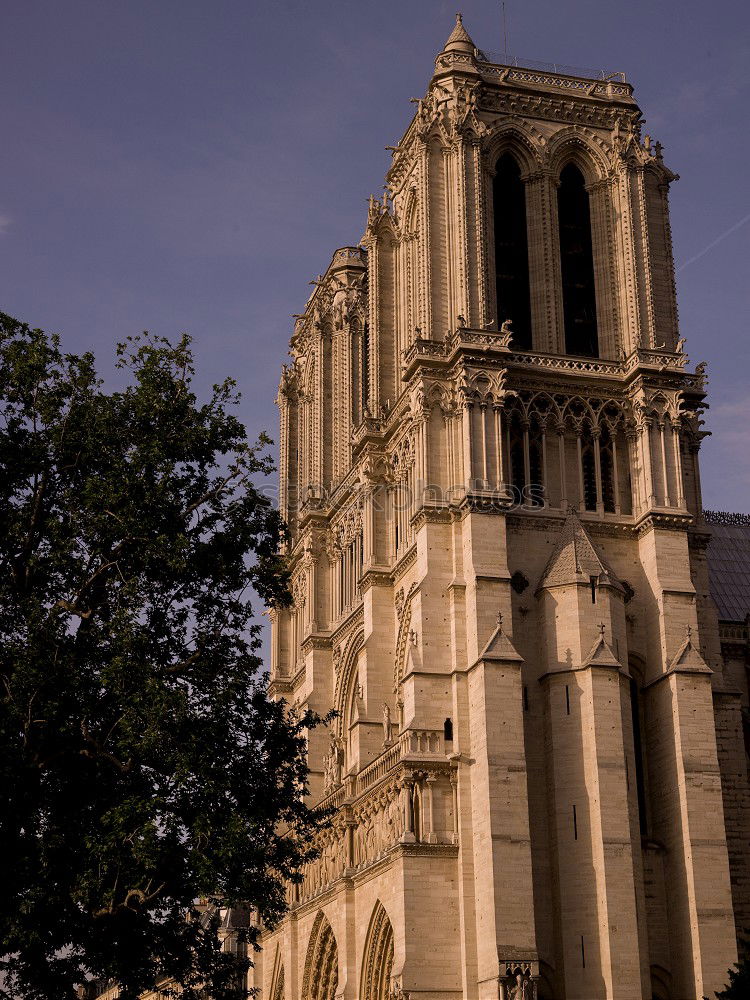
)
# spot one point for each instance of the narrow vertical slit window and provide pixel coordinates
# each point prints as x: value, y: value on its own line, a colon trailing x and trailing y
x: 575, y: 824
x: 512, y: 251
x: 593, y: 582
x: 583, y: 953
x: 567, y: 700
x: 577, y: 264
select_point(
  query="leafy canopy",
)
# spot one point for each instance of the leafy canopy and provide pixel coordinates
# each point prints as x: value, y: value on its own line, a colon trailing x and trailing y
x: 143, y: 765
x: 738, y: 987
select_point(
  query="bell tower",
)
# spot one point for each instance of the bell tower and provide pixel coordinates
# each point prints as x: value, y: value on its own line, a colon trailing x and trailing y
x: 489, y: 467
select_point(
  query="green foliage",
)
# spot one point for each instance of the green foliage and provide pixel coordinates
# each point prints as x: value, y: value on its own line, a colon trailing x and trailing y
x: 739, y: 978
x: 142, y: 764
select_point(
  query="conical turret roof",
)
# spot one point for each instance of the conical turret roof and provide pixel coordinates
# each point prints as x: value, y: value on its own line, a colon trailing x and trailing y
x: 459, y: 39
x: 575, y: 560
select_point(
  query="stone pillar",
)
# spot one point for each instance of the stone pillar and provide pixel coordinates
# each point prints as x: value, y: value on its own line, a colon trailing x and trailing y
x: 544, y: 263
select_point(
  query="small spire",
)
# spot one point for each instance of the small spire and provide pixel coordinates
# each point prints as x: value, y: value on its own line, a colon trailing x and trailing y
x: 499, y: 614
x: 689, y: 633
x: 459, y: 38
x: 602, y: 626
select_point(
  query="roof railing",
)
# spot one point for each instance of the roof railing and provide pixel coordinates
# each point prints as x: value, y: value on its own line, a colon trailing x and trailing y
x: 517, y: 62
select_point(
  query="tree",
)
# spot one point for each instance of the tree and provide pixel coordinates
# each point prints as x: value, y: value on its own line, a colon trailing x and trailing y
x: 142, y: 762
x: 739, y: 977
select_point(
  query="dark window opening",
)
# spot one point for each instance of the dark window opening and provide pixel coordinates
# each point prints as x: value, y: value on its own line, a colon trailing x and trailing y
x: 512, y: 251
x: 567, y: 700
x: 536, y: 495
x: 577, y: 264
x: 583, y: 953
x: 589, y: 473
x: 593, y: 582
x: 606, y: 458
x: 575, y: 824
x: 525, y: 698
x: 517, y: 469
x: 448, y: 730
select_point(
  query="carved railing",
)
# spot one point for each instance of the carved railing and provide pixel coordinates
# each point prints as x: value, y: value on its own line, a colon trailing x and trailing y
x: 347, y: 254
x: 488, y: 339
x: 656, y: 359
x: 405, y: 796
x: 726, y: 517
x: 583, y: 73
x: 377, y: 769
x: 493, y: 64
x: 559, y: 363
x: 734, y: 633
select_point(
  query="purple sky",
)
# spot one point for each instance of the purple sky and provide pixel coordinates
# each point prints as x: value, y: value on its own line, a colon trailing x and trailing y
x: 182, y: 165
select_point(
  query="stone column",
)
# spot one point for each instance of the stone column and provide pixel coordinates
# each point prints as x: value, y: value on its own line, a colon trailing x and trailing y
x: 544, y: 262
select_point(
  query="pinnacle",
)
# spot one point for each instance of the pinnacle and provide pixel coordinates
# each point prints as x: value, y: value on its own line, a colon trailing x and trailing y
x: 499, y: 646
x: 575, y: 560
x: 459, y: 39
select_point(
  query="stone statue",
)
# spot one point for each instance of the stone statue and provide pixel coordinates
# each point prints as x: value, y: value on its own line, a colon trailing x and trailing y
x: 387, y: 724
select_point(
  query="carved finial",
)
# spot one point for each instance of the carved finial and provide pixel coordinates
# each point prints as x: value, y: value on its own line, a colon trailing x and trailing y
x: 602, y: 626
x: 689, y: 633
x: 572, y: 508
x: 413, y: 637
x: 459, y: 19
x: 500, y: 622
x: 418, y: 331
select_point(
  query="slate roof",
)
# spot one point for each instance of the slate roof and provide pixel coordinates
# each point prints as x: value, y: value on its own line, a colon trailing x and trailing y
x: 729, y: 564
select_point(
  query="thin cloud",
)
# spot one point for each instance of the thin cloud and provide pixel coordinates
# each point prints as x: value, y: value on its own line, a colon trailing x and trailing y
x: 713, y: 243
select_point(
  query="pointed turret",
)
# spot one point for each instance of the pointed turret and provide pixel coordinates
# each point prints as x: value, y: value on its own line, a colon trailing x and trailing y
x: 499, y: 646
x: 459, y: 39
x: 575, y: 560
x: 601, y: 654
x: 688, y: 659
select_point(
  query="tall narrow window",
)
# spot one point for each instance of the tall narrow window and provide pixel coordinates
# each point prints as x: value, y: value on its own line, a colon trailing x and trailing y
x: 577, y: 264
x: 512, y: 251
x: 588, y: 471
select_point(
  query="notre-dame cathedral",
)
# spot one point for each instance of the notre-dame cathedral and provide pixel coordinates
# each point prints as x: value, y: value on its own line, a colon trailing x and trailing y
x: 502, y: 576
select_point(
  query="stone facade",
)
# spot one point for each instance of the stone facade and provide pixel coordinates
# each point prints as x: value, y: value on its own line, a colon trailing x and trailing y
x: 489, y: 466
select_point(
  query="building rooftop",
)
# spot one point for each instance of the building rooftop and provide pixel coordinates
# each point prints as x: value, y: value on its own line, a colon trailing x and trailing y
x: 729, y: 563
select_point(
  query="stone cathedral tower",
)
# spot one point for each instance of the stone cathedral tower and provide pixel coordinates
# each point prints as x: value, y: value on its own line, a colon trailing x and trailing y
x: 489, y: 466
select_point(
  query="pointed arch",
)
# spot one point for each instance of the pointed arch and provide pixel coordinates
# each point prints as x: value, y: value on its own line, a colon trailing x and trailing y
x: 277, y: 978
x: 571, y: 145
x: 520, y: 141
x: 377, y: 964
x: 321, y: 976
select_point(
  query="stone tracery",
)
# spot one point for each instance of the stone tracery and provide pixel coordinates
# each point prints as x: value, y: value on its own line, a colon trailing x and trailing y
x: 321, y: 974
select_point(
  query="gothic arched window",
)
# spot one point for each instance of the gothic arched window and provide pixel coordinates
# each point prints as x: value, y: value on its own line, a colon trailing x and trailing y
x: 511, y: 251
x: 577, y: 264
